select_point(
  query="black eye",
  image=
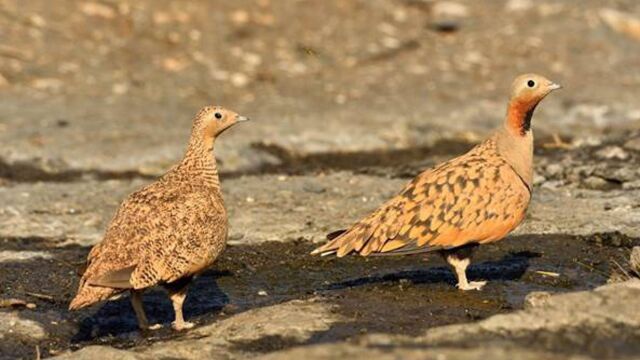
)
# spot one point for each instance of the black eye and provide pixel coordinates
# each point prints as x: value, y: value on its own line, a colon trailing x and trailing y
x: 218, y: 116
x: 531, y: 83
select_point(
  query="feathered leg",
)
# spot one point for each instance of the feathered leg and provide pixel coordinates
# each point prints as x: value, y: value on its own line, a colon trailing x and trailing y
x: 459, y: 259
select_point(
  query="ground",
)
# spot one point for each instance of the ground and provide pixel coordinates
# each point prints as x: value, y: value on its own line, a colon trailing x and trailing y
x: 349, y: 99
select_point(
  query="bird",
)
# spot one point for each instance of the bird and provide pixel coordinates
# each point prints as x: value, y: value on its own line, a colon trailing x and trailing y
x: 165, y: 233
x: 476, y: 198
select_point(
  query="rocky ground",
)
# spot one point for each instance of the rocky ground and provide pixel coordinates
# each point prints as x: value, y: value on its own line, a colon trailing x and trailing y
x: 350, y: 99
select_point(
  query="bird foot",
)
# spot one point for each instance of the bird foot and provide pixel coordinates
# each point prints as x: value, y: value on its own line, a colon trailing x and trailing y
x: 184, y: 325
x: 472, y: 285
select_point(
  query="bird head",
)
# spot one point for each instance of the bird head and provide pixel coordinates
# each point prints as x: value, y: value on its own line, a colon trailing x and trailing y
x: 213, y: 120
x: 529, y: 89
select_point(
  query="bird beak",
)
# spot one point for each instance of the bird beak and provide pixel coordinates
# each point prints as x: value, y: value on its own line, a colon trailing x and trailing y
x: 241, y: 118
x: 554, y: 86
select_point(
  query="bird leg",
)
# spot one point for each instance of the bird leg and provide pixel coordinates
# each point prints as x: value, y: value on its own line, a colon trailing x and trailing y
x: 459, y: 259
x: 177, y: 294
x: 138, y: 307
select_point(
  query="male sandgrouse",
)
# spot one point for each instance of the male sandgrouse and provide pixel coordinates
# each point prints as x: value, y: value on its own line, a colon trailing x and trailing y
x: 167, y: 232
x: 477, y: 198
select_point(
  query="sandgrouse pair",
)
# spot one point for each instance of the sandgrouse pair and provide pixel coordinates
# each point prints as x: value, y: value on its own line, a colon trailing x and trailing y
x: 173, y: 229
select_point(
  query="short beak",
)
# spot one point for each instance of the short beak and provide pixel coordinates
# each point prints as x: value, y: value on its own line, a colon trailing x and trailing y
x: 554, y: 86
x: 241, y: 118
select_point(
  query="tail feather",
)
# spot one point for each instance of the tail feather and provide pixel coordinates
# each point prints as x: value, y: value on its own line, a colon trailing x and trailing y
x: 334, y: 234
x: 331, y: 247
x: 89, y: 295
x: 344, y: 242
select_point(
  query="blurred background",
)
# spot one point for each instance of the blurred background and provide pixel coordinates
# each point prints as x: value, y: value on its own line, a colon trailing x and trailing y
x: 113, y: 85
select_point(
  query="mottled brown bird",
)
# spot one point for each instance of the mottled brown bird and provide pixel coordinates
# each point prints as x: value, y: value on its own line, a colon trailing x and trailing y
x: 167, y: 232
x: 477, y: 198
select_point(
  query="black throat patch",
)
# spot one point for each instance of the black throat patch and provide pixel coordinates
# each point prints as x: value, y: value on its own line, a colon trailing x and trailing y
x: 526, y: 122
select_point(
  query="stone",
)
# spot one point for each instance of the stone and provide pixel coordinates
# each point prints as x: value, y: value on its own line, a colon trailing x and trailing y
x: 537, y: 299
x: 11, y: 324
x: 91, y: 8
x: 554, y: 170
x: 612, y: 152
x: 596, y: 183
x: 518, y: 5
x: 449, y: 9
x: 23, y: 255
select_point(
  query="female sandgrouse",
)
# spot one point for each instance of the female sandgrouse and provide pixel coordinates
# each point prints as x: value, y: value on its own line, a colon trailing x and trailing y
x: 167, y: 232
x: 476, y: 198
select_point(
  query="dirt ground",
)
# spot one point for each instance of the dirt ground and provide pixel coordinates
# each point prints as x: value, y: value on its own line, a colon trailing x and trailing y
x: 349, y: 99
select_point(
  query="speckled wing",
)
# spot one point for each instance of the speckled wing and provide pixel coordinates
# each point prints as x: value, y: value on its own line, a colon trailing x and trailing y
x: 159, y: 235
x: 477, y: 197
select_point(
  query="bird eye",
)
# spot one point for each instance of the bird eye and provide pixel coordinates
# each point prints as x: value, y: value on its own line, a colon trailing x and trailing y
x: 218, y: 116
x: 531, y: 83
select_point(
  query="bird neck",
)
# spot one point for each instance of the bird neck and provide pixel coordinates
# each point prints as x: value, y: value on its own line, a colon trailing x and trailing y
x: 519, y: 114
x: 199, y: 162
x: 515, y: 139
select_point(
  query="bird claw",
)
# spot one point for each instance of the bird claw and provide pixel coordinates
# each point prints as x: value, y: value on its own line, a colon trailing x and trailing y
x: 472, y: 285
x: 185, y: 325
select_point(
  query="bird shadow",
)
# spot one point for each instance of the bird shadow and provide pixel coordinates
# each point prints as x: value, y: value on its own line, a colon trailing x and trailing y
x: 117, y: 318
x: 512, y: 266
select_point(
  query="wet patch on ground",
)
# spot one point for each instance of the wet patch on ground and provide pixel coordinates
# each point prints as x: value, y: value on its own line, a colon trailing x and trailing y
x: 360, y: 162
x: 399, y: 295
x: 606, y: 166
x: 32, y: 171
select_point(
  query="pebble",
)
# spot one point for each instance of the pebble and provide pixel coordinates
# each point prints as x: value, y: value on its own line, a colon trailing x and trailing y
x: 449, y: 9
x: 239, y: 80
x: 612, y: 152
x: 11, y: 323
x: 314, y: 188
x: 554, y: 170
x: 97, y: 10
x: 172, y: 64
x: 12, y: 256
x: 518, y: 5
x: 536, y: 299
x: 447, y: 16
x: 538, y: 179
x: 47, y: 84
x: 239, y: 17
x: 120, y: 88
x: 595, y: 183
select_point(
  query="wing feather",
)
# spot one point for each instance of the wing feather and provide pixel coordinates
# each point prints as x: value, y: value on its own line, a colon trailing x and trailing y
x: 472, y: 198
